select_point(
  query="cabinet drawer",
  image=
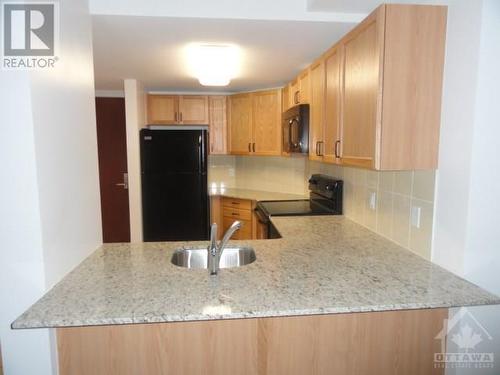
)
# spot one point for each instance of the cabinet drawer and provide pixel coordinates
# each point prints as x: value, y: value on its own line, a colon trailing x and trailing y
x: 242, y: 204
x: 237, y: 213
x: 245, y: 233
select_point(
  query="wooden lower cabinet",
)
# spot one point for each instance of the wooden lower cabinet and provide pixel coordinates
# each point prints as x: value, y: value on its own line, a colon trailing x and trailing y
x: 377, y: 343
x: 238, y: 209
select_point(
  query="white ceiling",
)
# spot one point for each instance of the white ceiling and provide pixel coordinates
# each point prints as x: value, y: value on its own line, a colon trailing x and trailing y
x: 150, y: 49
x: 145, y: 39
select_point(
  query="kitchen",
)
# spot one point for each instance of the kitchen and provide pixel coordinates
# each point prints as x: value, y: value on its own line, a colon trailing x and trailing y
x: 299, y: 288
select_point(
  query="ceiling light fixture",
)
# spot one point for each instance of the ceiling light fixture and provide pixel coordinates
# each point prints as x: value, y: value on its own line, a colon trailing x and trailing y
x: 213, y: 64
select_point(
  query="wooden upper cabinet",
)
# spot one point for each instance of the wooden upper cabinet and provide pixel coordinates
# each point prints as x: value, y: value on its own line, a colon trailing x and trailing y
x: 316, y: 110
x: 193, y: 109
x: 162, y: 109
x: 392, y: 86
x: 362, y: 83
x: 255, y: 123
x: 218, y: 124
x: 267, y: 122
x: 240, y: 119
x: 175, y: 109
x: 285, y: 98
x: 304, y: 87
x: 333, y: 87
x: 294, y: 92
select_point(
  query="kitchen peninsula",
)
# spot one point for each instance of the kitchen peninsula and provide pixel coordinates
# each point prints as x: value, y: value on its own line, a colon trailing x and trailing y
x: 329, y: 289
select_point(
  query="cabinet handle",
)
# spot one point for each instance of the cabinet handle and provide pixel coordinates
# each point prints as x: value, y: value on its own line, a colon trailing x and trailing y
x: 235, y: 202
x: 175, y: 116
x: 211, y: 147
x: 180, y: 113
x: 337, y: 145
x: 235, y: 214
x: 317, y: 145
x: 320, y: 148
x: 249, y: 147
x: 253, y: 147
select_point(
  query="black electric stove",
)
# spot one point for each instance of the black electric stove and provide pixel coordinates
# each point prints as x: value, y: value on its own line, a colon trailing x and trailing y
x: 325, y: 198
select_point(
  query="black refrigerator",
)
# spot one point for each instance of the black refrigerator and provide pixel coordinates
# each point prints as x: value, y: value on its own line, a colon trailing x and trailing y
x: 175, y: 204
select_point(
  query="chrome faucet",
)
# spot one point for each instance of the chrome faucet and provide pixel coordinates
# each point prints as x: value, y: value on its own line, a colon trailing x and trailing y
x: 215, y: 251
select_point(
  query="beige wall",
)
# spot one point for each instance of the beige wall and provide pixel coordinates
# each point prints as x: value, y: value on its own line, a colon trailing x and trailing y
x: 381, y: 201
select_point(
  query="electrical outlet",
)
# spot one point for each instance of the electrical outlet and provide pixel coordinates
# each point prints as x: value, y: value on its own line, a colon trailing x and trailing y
x: 416, y: 213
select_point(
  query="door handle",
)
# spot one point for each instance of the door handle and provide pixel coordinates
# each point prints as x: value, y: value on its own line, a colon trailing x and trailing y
x: 124, y: 184
x: 337, y: 145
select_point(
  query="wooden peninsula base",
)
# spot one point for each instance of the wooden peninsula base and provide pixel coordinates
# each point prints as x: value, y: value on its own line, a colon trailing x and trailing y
x: 393, y: 342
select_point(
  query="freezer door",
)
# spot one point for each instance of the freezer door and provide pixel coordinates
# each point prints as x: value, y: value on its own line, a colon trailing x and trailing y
x: 173, y: 151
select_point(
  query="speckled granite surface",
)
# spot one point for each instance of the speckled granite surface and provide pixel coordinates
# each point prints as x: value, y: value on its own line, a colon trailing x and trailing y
x: 256, y: 195
x: 323, y: 264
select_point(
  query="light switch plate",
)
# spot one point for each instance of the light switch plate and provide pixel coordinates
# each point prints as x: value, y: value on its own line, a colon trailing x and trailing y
x: 416, y: 213
x: 373, y: 200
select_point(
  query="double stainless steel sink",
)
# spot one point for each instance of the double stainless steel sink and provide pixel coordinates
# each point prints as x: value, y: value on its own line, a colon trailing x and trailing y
x: 198, y: 257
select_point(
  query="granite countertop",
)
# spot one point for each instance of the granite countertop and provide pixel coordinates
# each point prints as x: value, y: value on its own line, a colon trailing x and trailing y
x: 322, y: 265
x: 255, y: 195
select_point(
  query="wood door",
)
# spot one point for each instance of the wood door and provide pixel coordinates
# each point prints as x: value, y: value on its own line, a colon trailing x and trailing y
x: 267, y: 122
x: 162, y: 109
x: 112, y: 152
x: 332, y: 106
x: 294, y: 92
x: 285, y: 98
x: 362, y: 88
x: 240, y: 124
x: 316, y: 122
x: 304, y: 87
x: 193, y: 110
x: 218, y: 124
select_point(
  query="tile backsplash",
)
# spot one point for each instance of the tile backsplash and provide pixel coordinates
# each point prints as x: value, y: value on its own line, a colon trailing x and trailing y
x: 397, y: 205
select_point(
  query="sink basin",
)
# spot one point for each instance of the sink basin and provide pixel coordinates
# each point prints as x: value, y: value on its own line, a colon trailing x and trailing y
x: 198, y: 258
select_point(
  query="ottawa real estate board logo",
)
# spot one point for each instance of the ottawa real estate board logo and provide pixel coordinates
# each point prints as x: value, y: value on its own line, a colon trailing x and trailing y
x: 30, y: 35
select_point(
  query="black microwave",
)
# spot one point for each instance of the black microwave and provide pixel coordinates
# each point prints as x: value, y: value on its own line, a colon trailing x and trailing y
x: 296, y: 129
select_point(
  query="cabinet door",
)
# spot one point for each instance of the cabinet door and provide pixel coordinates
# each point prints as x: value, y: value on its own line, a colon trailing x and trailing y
x: 316, y: 144
x: 332, y: 106
x: 267, y: 123
x: 193, y: 109
x: 240, y: 124
x: 285, y: 98
x: 361, y: 91
x: 304, y: 87
x: 218, y: 124
x: 162, y: 109
x: 294, y: 92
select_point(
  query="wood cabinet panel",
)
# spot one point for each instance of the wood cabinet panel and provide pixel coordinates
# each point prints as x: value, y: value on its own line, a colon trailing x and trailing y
x: 243, y: 204
x: 294, y: 92
x: 413, y: 71
x: 267, y: 123
x: 238, y: 214
x: 193, y: 110
x: 333, y: 89
x: 362, y: 81
x: 304, y: 87
x: 378, y: 343
x: 162, y: 109
x: 218, y: 124
x: 240, y: 128
x: 316, y: 121
x: 285, y: 98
